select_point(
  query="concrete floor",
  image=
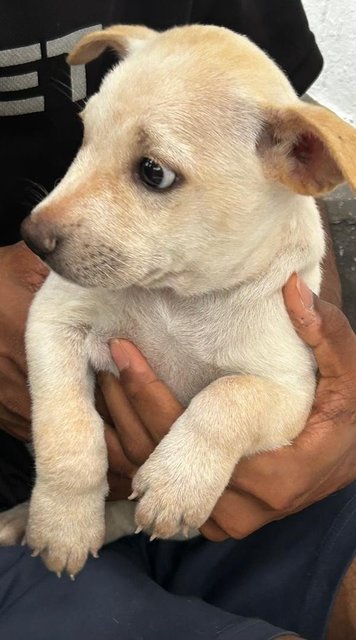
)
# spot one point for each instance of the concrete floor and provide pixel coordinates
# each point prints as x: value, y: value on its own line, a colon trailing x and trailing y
x: 341, y: 205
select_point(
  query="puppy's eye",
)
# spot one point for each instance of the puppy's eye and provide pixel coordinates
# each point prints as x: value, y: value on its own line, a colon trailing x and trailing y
x: 154, y: 175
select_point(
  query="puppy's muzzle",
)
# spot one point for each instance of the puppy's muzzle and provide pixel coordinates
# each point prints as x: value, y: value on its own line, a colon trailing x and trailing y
x: 39, y: 236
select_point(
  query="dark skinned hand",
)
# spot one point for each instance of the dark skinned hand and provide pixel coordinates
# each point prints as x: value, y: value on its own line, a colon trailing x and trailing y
x: 267, y: 486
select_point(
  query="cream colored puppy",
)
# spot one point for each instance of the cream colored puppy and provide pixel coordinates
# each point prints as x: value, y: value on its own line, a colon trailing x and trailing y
x: 185, y: 211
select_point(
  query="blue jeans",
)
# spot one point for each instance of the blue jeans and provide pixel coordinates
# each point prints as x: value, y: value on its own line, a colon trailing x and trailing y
x: 281, y: 577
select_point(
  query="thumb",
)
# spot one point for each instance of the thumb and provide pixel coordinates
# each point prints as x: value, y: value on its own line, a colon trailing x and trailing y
x: 153, y: 401
x: 133, y: 366
x: 322, y: 326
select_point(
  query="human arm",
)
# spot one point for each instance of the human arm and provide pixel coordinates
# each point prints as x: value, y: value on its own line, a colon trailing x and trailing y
x: 21, y: 275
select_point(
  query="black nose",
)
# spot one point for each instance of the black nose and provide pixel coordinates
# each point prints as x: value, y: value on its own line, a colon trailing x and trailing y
x: 39, y: 237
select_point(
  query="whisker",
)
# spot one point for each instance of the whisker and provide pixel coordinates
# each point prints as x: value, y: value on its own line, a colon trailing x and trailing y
x: 63, y: 88
x: 41, y: 188
x: 75, y: 98
x: 36, y: 192
x: 67, y: 90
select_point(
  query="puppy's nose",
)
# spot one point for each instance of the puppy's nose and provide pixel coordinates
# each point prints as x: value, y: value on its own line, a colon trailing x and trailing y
x: 39, y: 237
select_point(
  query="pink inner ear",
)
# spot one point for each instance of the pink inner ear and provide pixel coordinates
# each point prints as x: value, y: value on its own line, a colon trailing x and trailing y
x: 308, y: 148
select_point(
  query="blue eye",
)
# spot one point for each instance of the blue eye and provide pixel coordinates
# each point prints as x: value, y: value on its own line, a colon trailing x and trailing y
x: 154, y: 175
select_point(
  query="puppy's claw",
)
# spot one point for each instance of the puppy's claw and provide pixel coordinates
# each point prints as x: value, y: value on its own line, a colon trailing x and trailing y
x: 95, y: 554
x: 59, y: 575
x: 35, y: 553
x: 153, y: 537
x: 185, y: 531
x: 133, y: 495
x: 139, y: 529
x: 23, y: 542
x: 72, y: 577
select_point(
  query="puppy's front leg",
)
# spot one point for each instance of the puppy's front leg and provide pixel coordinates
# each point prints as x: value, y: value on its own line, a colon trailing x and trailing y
x: 66, y: 519
x: 235, y: 416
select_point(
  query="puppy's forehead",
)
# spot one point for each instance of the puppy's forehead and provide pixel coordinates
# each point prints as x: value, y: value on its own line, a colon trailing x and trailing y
x: 190, y: 75
x: 198, y: 56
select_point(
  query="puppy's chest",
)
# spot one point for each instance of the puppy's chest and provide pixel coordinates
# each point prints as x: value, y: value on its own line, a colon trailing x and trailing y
x: 177, y: 365
x: 179, y: 344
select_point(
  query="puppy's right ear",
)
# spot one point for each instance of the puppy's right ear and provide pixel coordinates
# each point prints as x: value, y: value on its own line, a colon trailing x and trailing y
x: 121, y: 38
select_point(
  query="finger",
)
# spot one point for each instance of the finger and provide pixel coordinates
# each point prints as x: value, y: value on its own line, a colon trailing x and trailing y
x: 119, y: 487
x: 240, y: 514
x: 323, y: 327
x: 19, y: 360
x: 14, y: 426
x: 118, y: 462
x: 31, y: 270
x: 154, y: 403
x: 15, y: 431
x: 213, y: 532
x: 285, y: 478
x: 130, y: 431
x: 101, y: 405
x: 14, y: 393
x: 275, y: 478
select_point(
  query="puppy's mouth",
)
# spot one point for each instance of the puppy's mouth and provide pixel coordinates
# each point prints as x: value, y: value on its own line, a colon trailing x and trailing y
x: 94, y: 269
x: 74, y: 257
x: 112, y: 271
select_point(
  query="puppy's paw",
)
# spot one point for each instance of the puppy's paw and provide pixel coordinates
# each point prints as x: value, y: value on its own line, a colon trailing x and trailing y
x: 173, y: 496
x: 64, y: 530
x: 13, y: 524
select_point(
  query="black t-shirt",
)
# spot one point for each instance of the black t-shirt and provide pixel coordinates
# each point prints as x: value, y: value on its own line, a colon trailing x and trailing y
x: 40, y: 95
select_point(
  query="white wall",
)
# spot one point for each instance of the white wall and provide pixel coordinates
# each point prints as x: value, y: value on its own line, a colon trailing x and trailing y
x: 333, y: 23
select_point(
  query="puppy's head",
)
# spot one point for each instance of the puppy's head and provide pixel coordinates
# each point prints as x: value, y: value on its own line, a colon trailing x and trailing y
x: 185, y: 147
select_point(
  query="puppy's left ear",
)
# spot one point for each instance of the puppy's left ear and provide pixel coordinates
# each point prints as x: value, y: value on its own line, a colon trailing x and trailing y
x: 307, y: 148
x: 121, y: 38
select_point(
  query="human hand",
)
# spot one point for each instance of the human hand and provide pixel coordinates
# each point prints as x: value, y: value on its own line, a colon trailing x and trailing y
x: 138, y: 411
x: 268, y: 486
x: 321, y: 460
x: 21, y: 275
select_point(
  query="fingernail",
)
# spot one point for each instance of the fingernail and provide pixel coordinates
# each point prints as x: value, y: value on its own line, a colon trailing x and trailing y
x: 306, y: 295
x: 119, y: 355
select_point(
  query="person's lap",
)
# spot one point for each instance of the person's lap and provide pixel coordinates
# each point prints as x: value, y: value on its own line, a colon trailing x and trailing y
x: 286, y: 574
x: 112, y: 598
